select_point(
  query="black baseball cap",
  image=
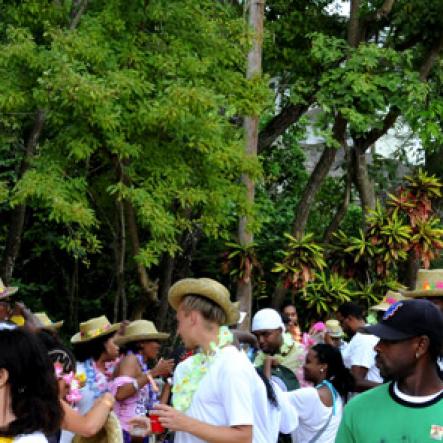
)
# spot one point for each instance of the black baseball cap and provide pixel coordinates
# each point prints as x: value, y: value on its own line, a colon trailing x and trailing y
x: 409, y: 318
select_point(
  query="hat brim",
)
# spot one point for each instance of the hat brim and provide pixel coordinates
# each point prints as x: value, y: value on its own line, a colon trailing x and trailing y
x: 10, y: 290
x: 380, y: 307
x: 423, y: 293
x: 385, y: 332
x: 123, y: 340
x: 205, y: 289
x: 53, y: 326
x: 77, y: 338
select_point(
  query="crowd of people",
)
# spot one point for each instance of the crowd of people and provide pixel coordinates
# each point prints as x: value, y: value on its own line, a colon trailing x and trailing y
x: 343, y: 380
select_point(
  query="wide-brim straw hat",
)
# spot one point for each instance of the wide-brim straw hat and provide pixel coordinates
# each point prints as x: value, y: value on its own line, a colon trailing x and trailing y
x: 93, y: 328
x: 208, y: 288
x: 389, y: 299
x: 110, y: 433
x: 333, y: 328
x: 6, y: 291
x: 140, y: 330
x: 429, y: 284
x: 46, y: 322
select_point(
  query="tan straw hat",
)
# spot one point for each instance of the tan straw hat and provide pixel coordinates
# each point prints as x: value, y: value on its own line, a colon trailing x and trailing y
x: 47, y: 323
x: 389, y: 299
x: 333, y: 328
x: 93, y: 328
x: 205, y: 287
x: 429, y: 284
x: 110, y: 433
x: 140, y: 330
x: 6, y: 291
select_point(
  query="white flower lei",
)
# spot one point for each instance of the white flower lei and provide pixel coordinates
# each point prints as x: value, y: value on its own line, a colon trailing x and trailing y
x: 286, y: 346
x: 183, y: 392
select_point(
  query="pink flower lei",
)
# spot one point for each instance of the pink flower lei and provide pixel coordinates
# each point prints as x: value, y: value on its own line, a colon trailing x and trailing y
x: 71, y: 380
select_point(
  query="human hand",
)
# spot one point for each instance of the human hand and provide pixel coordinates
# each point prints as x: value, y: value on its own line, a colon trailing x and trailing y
x: 140, y: 426
x: 171, y: 418
x: 163, y: 368
x: 123, y: 325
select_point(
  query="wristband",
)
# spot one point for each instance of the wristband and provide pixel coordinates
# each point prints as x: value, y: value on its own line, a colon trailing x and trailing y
x: 135, y: 384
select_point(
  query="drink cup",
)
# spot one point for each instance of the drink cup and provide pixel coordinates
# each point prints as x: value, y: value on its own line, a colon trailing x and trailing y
x: 156, y: 426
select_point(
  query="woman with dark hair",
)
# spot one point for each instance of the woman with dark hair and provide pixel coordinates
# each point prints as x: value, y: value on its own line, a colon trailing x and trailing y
x: 95, y: 350
x: 29, y: 405
x: 133, y: 385
x: 64, y: 368
x: 320, y: 407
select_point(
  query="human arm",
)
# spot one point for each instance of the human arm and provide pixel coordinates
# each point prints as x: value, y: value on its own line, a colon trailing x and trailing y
x: 361, y: 384
x: 89, y: 424
x: 130, y: 378
x: 177, y: 421
x: 361, y: 359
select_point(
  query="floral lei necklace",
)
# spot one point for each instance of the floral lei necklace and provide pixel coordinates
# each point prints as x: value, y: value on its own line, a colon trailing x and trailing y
x: 286, y: 346
x: 184, y: 392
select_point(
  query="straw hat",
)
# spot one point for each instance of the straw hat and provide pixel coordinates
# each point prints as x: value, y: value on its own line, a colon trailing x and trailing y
x: 6, y: 291
x: 389, y: 299
x: 429, y: 284
x: 47, y: 323
x: 139, y: 330
x: 333, y: 328
x: 93, y: 328
x: 110, y: 433
x: 205, y: 287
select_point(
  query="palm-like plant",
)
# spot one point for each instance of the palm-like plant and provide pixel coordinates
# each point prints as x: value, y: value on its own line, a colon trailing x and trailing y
x: 240, y: 261
x: 301, y: 259
x: 327, y: 292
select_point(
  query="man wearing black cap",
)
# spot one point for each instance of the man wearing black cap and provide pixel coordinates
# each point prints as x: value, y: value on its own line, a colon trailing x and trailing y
x: 410, y: 407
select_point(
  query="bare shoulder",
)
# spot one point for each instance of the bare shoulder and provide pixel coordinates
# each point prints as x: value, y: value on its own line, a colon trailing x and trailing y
x: 128, y: 366
x: 325, y: 396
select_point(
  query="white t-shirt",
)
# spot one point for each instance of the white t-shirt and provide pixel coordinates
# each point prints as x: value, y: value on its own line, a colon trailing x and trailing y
x: 283, y: 418
x: 36, y: 437
x: 313, y: 415
x: 360, y: 352
x: 230, y: 394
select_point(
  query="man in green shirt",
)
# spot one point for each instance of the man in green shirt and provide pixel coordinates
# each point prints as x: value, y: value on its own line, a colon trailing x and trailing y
x: 409, y: 409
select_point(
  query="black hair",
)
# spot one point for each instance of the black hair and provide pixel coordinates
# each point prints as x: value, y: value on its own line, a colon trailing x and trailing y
x: 133, y: 346
x: 340, y: 377
x: 93, y: 348
x: 287, y: 305
x: 33, y: 386
x: 57, y: 351
x: 351, y: 309
x: 270, y: 393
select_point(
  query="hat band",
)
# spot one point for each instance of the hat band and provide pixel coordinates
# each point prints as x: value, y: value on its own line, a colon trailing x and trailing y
x: 432, y: 286
x: 94, y: 332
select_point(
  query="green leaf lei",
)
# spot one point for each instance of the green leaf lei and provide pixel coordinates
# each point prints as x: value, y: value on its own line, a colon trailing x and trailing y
x: 183, y: 392
x: 286, y: 346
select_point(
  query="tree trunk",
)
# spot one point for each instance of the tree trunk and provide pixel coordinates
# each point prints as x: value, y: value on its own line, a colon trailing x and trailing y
x: 311, y: 189
x: 363, y: 182
x: 278, y: 297
x: 120, y: 255
x: 73, y: 296
x: 407, y: 272
x: 343, y: 209
x: 165, y: 283
x: 17, y: 220
x: 251, y: 123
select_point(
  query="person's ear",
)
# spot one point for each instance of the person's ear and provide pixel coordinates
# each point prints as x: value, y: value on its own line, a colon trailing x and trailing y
x: 4, y: 377
x: 422, y: 346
